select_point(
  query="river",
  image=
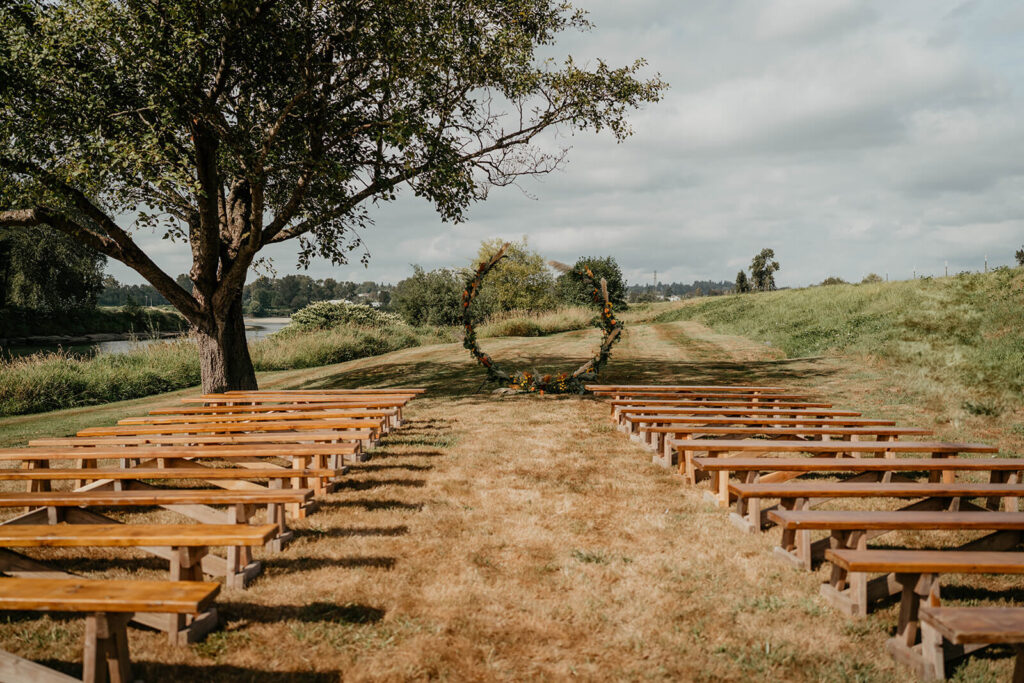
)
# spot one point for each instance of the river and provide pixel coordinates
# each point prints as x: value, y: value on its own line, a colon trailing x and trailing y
x: 255, y: 328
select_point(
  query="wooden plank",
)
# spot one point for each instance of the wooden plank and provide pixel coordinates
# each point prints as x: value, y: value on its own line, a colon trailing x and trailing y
x: 968, y: 625
x: 199, y: 428
x: 668, y: 420
x: 927, y: 561
x: 827, y: 429
x: 753, y: 401
x: 345, y: 442
x: 134, y: 535
x: 227, y: 451
x: 153, y: 497
x: 739, y: 411
x: 810, y: 489
x: 205, y: 473
x: 678, y: 387
x: 866, y: 520
x: 331, y: 392
x: 285, y: 408
x: 15, y: 669
x: 106, y: 595
x: 374, y: 415
x: 858, y: 464
x: 802, y: 446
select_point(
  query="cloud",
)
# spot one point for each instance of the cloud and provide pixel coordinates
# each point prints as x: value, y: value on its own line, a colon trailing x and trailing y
x: 852, y: 136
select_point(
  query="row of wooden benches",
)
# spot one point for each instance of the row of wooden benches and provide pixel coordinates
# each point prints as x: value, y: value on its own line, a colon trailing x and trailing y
x: 230, y: 442
x: 699, y: 429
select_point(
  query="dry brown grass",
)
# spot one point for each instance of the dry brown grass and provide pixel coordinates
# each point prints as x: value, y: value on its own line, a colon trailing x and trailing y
x: 524, y: 538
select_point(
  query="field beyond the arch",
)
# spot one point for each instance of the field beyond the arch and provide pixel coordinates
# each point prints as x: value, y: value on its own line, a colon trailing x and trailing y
x: 524, y: 538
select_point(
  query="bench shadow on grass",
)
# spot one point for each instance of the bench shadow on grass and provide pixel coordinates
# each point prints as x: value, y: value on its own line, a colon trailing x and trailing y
x: 352, y: 532
x: 460, y: 379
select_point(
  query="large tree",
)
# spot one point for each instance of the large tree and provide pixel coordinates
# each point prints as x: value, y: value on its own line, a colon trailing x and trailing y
x: 237, y: 125
x: 762, y: 270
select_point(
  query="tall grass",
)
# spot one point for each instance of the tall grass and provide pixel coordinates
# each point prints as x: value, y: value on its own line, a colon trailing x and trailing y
x: 49, y: 381
x: 966, y: 328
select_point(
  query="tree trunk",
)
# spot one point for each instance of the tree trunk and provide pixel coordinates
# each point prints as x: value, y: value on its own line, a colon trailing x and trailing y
x: 224, y: 358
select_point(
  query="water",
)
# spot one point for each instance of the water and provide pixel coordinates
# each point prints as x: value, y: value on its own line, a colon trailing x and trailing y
x: 255, y: 328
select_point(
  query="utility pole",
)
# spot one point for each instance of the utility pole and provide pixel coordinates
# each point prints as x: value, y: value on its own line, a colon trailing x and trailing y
x: 986, y: 263
x: 947, y: 268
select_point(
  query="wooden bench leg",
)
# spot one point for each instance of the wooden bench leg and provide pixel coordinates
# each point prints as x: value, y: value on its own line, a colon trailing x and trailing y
x: 922, y: 659
x: 106, y: 649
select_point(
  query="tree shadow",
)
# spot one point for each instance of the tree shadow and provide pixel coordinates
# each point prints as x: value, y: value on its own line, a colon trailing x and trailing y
x: 386, y: 468
x: 371, y: 505
x: 215, y: 673
x: 464, y: 379
x: 352, y: 532
x: 368, y: 484
x: 290, y: 564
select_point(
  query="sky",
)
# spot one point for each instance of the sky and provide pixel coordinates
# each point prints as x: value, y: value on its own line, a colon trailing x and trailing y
x: 850, y: 136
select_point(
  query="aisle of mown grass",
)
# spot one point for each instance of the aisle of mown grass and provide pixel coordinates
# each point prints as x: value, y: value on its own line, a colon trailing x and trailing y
x: 966, y: 327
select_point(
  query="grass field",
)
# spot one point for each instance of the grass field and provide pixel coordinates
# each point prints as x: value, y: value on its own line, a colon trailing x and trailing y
x: 523, y: 538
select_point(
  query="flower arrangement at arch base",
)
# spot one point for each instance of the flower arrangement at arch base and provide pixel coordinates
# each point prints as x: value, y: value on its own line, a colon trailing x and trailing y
x: 533, y: 382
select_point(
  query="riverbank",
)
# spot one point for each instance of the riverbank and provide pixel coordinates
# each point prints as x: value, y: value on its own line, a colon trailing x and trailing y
x: 32, y: 328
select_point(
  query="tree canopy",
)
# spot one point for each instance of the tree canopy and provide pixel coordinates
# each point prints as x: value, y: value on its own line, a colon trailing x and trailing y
x: 762, y: 270
x: 521, y: 281
x: 237, y: 125
x: 571, y: 288
x: 44, y: 270
x: 742, y: 285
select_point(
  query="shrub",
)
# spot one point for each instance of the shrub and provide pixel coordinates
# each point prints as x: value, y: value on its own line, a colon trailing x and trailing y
x: 572, y: 289
x: 324, y: 315
x: 429, y: 298
x: 833, y: 281
x: 871, y: 278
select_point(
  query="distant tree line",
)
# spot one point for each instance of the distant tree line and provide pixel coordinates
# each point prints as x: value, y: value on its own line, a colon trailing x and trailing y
x: 286, y: 295
x: 661, y: 291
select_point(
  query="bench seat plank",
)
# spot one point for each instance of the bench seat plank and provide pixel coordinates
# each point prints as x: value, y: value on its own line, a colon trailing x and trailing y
x: 927, y: 561
x: 964, y: 625
x: 106, y: 595
x: 152, y: 497
x: 857, y: 464
x: 850, y: 520
x: 811, y: 489
x: 134, y: 535
x: 206, y: 473
x: 200, y: 427
x: 267, y: 441
x: 373, y: 415
x: 801, y: 446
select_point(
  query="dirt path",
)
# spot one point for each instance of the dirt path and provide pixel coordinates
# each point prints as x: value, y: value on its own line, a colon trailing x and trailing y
x: 522, y: 538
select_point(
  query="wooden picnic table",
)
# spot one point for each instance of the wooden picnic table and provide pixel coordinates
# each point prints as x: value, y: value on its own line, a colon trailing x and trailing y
x: 720, y: 448
x: 184, y: 545
x: 854, y: 528
x: 957, y: 628
x: 916, y: 574
x: 108, y: 604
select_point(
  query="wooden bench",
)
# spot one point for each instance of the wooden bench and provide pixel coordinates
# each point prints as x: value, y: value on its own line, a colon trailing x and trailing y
x: 304, y: 457
x: 377, y: 417
x: 915, y: 575
x: 678, y: 388
x: 390, y: 411
x: 667, y: 427
x: 414, y: 391
x: 631, y: 417
x: 108, y: 605
x: 618, y: 405
x: 340, y: 425
x: 75, y: 507
x: 797, y: 495
x: 339, y: 440
x: 854, y: 528
x: 719, y: 448
x: 960, y: 627
x: 183, y: 545
x: 663, y: 445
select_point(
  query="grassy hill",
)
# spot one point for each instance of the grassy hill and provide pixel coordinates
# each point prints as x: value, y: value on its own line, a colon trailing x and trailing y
x: 966, y: 329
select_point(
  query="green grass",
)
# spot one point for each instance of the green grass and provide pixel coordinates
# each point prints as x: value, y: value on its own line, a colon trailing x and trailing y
x: 966, y: 327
